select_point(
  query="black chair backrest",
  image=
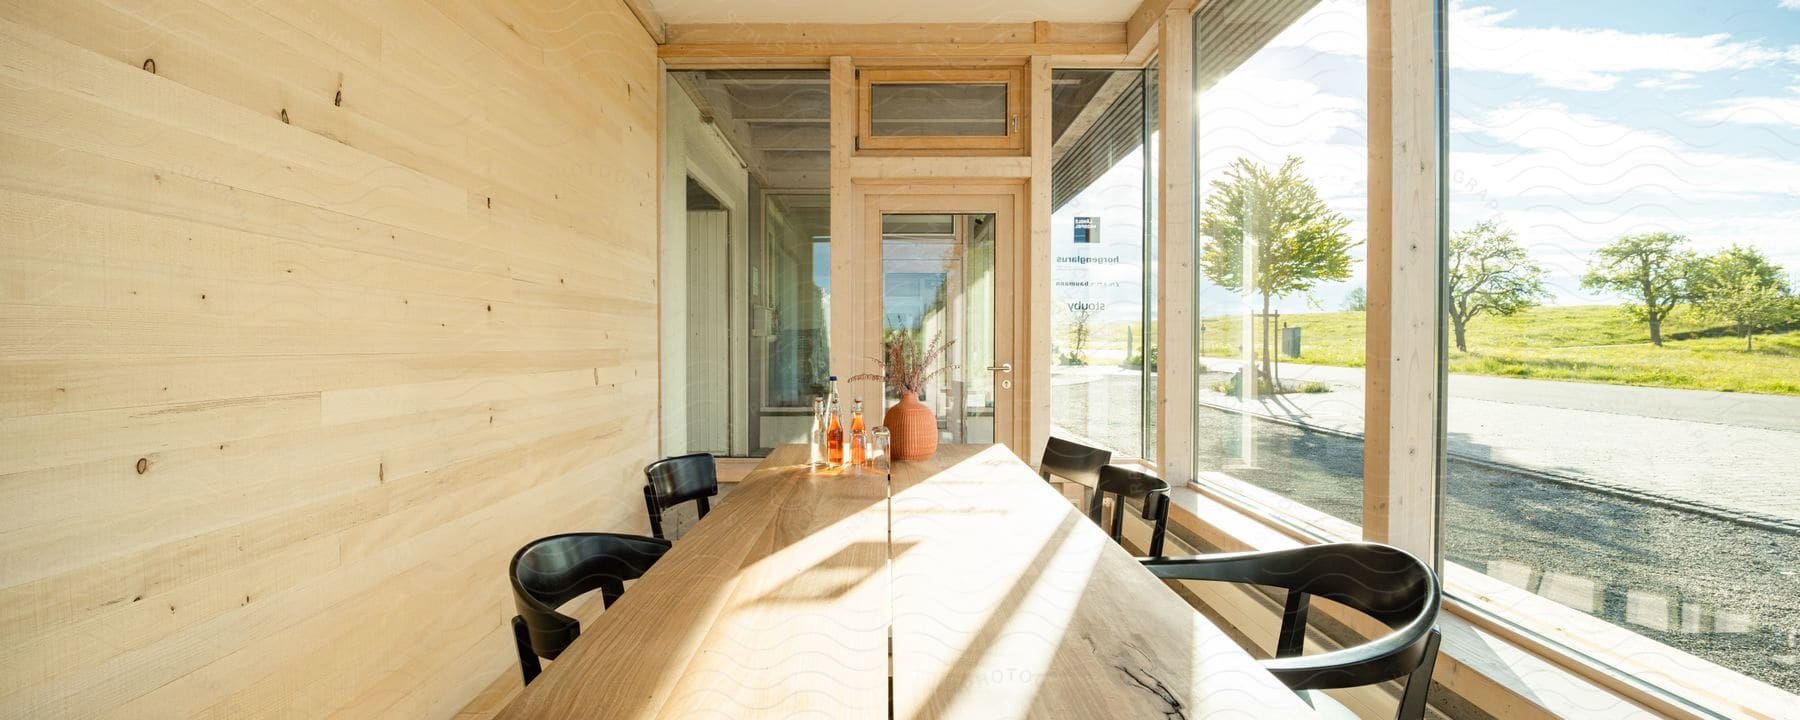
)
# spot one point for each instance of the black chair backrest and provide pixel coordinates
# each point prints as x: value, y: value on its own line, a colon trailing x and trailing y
x: 1073, y: 461
x: 1383, y: 582
x: 1124, y: 483
x: 551, y: 571
x: 676, y: 480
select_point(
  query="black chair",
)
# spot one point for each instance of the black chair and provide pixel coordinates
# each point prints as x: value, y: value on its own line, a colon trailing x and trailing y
x: 1383, y: 582
x: 1122, y: 483
x: 1073, y: 461
x: 676, y: 480
x: 551, y: 571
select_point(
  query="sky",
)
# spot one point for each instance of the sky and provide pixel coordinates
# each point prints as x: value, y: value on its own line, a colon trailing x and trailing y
x: 1571, y: 123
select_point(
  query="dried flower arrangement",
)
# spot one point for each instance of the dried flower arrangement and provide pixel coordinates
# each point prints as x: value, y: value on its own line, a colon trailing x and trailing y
x: 906, y: 367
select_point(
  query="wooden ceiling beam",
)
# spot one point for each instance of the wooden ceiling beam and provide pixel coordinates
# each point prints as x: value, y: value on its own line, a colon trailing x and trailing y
x: 896, y: 33
x: 650, y: 19
x: 885, y: 50
x: 1145, y: 23
x: 690, y: 45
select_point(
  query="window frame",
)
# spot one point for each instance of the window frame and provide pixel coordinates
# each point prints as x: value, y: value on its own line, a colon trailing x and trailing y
x: 1013, y: 142
x: 1403, y: 495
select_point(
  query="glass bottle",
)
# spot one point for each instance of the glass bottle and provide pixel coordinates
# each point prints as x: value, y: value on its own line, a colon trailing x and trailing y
x: 834, y: 435
x: 859, y: 437
x: 815, y: 438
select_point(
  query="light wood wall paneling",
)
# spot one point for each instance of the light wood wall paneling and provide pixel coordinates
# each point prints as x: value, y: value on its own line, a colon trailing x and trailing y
x: 281, y: 396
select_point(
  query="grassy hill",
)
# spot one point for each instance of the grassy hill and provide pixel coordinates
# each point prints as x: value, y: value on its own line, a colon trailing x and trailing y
x: 1586, y: 343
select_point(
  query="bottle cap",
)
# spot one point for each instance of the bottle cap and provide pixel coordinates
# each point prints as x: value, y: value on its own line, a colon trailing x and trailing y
x: 834, y: 378
x: 859, y: 399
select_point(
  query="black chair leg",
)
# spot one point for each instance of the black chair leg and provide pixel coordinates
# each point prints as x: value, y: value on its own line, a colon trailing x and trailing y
x: 656, y: 530
x: 1160, y: 527
x: 610, y: 591
x: 1292, y: 641
x: 1418, y: 684
x: 528, y: 659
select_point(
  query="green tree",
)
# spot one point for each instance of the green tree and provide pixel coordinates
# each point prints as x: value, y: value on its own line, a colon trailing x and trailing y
x: 1275, y: 221
x: 1356, y: 301
x: 1489, y: 274
x: 1741, y: 287
x: 1651, y: 268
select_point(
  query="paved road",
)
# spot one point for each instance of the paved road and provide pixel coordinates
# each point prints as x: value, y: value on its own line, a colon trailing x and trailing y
x: 1736, y: 451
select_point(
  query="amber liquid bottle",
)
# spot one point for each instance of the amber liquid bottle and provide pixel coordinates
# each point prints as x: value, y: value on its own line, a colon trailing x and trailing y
x: 859, y: 437
x: 834, y: 437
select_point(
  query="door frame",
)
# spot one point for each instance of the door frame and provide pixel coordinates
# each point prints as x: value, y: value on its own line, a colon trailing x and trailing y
x: 856, y: 319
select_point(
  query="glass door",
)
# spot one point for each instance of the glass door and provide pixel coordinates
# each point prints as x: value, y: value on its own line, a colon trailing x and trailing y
x: 938, y: 284
x: 938, y: 262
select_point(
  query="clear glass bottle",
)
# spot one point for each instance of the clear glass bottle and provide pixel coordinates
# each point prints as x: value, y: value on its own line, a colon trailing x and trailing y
x: 815, y: 439
x: 859, y: 436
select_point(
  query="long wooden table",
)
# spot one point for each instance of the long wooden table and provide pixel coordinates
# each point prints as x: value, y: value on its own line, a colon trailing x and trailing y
x: 967, y: 582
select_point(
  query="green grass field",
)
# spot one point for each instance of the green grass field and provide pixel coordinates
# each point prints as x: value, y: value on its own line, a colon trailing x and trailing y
x: 1586, y: 343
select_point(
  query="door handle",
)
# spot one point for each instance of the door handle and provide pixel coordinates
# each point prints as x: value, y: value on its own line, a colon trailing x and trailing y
x: 1002, y: 367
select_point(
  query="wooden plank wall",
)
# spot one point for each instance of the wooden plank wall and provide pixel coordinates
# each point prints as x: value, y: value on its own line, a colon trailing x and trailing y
x: 304, y: 333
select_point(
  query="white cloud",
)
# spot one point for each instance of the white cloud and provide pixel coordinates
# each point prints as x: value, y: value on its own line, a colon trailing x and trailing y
x: 1669, y: 82
x: 1486, y: 39
x: 1590, y: 59
x: 1753, y: 110
x: 1266, y: 118
x: 1545, y: 149
x: 1791, y: 4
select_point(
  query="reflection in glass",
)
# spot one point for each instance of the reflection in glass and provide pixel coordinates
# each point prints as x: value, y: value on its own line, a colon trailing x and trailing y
x: 1282, y: 175
x: 746, y: 273
x: 938, y: 284
x: 1102, y: 312
x: 938, y: 109
x: 795, y: 265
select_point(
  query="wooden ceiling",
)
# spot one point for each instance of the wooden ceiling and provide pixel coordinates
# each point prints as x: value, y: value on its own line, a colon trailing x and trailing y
x: 779, y: 120
x: 915, y: 11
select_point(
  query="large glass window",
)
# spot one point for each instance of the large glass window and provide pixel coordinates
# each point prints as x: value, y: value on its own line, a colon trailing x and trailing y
x: 746, y: 258
x: 1624, y: 410
x: 1283, y: 195
x: 1103, y: 313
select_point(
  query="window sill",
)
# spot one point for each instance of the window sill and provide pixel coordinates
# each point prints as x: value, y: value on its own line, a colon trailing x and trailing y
x: 1486, y: 661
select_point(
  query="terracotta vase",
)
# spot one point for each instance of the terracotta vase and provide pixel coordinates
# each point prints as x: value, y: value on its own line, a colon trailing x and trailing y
x: 913, y: 428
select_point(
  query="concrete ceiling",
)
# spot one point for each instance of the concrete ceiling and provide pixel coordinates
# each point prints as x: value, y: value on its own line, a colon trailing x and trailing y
x: 915, y: 11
